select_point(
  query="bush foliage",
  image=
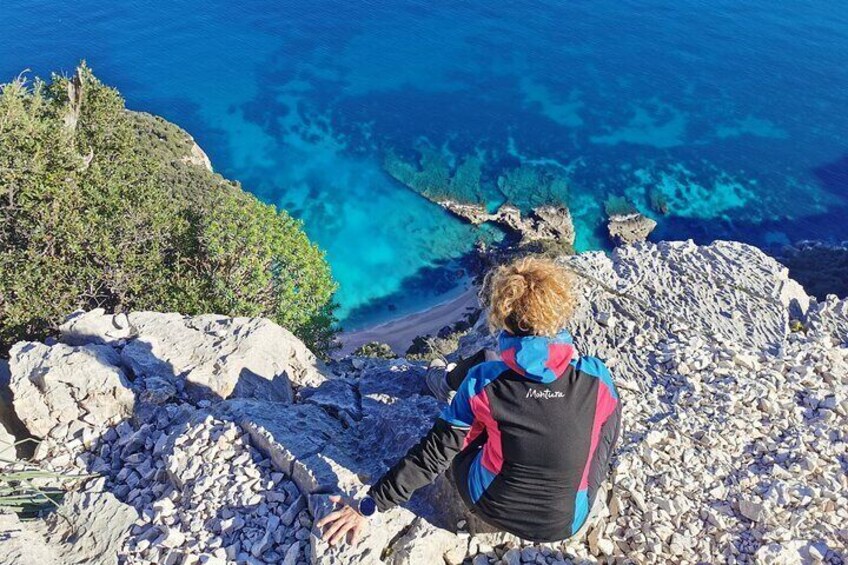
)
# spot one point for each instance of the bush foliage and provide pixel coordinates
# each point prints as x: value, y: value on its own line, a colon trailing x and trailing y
x: 99, y: 207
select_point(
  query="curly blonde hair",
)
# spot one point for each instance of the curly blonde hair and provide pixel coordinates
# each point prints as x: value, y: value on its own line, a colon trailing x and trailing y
x: 531, y: 295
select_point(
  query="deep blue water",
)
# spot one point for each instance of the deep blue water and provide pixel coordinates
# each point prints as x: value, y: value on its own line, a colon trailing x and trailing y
x: 733, y: 112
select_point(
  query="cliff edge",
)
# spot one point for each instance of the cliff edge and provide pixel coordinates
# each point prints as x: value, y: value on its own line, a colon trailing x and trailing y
x: 218, y: 440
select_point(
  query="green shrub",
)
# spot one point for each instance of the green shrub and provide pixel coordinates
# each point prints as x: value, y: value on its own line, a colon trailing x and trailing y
x: 98, y: 208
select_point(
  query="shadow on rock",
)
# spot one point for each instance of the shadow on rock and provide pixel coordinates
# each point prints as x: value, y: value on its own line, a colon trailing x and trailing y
x: 202, y: 447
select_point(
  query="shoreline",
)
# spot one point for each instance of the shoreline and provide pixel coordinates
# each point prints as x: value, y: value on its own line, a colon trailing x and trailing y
x: 399, y: 333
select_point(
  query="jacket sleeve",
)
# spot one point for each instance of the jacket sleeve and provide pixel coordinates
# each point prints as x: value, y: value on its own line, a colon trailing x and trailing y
x: 430, y: 457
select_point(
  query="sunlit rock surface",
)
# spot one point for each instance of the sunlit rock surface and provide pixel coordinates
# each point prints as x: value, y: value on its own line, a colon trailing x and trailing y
x: 733, y: 449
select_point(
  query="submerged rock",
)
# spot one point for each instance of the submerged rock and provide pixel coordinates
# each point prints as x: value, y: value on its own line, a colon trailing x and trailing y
x: 473, y: 213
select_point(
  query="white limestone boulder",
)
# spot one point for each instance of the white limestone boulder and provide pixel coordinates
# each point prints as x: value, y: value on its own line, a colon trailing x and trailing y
x: 371, y: 550
x: 60, y: 384
x: 210, y: 357
x: 727, y: 290
x: 95, y: 327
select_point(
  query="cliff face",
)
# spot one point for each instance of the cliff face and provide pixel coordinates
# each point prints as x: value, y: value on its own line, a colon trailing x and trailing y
x: 220, y: 439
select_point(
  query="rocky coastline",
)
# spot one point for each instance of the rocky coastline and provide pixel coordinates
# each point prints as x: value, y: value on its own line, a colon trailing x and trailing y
x: 546, y: 229
x: 161, y: 438
x: 217, y: 440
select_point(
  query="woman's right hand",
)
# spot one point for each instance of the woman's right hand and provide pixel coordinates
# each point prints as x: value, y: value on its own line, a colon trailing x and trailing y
x: 342, y: 522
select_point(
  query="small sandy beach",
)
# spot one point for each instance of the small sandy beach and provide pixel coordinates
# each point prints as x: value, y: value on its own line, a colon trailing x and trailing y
x: 398, y: 334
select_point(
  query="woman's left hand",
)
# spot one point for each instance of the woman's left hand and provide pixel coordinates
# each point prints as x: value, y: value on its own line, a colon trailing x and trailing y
x: 341, y: 522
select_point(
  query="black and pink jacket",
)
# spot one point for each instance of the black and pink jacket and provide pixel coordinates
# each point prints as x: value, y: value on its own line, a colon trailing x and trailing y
x: 530, y: 437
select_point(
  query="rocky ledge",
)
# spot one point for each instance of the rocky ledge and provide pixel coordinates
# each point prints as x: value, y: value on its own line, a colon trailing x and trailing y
x: 218, y: 440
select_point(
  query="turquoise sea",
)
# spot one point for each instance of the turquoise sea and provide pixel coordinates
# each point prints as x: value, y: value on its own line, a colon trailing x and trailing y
x: 721, y: 119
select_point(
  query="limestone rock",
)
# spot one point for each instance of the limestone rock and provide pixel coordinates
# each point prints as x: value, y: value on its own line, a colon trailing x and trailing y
x: 7, y: 444
x: 12, y: 429
x: 95, y: 327
x: 425, y: 543
x: 788, y: 553
x: 733, y: 447
x: 61, y: 384
x: 830, y: 318
x: 542, y: 223
x: 387, y: 381
x: 370, y: 550
x: 216, y: 356
x: 198, y: 157
x: 725, y: 289
x: 89, y: 527
x: 336, y: 395
x: 751, y: 510
x: 21, y: 544
x: 630, y: 228
x: 287, y: 433
x: 220, y: 357
x: 473, y: 213
x: 553, y: 222
x: 331, y: 470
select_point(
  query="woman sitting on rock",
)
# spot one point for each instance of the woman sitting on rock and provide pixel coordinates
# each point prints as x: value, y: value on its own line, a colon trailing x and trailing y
x: 527, y: 436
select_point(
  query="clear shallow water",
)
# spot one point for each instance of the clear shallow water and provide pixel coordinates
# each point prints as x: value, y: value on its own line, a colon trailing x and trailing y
x: 730, y: 116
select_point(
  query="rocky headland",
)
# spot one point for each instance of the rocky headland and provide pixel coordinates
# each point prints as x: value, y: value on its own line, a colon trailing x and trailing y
x: 210, y: 439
